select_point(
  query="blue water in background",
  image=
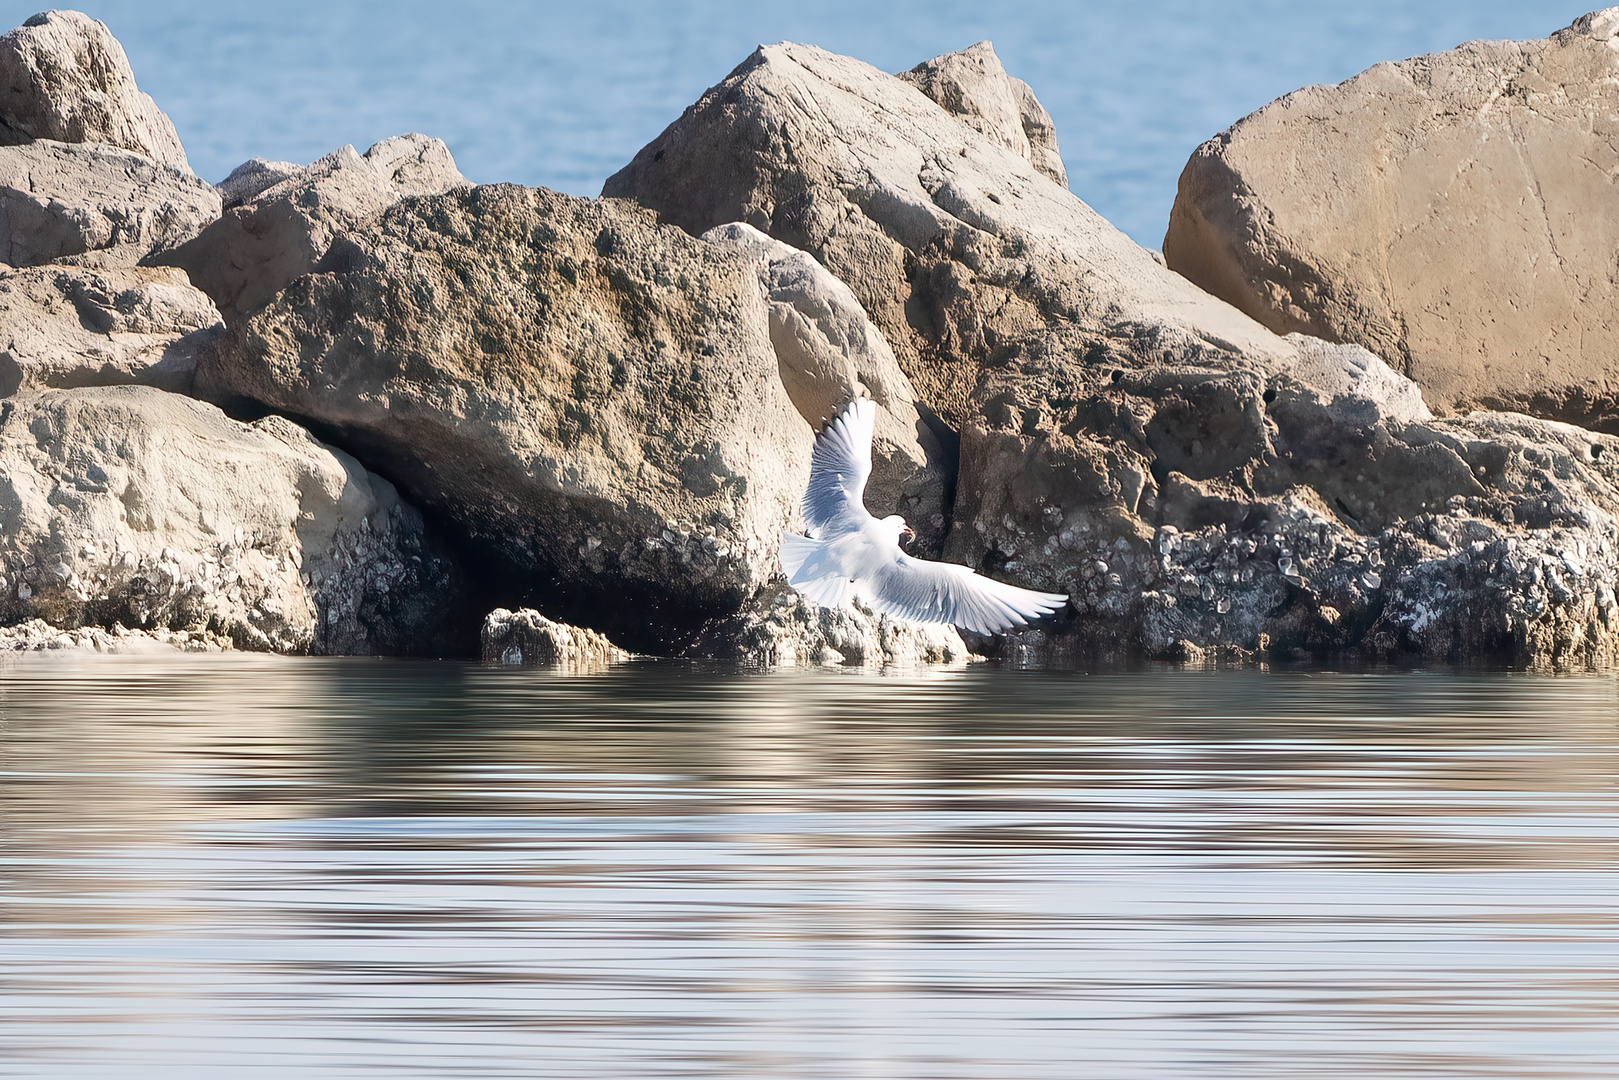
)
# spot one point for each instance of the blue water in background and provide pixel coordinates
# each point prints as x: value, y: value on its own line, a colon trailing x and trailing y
x: 562, y: 95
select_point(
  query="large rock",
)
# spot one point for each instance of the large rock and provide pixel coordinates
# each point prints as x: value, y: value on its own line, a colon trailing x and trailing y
x: 64, y: 77
x: 591, y: 398
x: 135, y: 507
x: 1454, y: 213
x: 972, y: 85
x: 96, y: 205
x: 279, y: 226
x: 828, y: 352
x: 1190, y: 478
x: 66, y: 327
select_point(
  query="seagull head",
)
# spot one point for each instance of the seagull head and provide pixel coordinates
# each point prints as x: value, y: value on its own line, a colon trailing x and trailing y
x: 902, y: 532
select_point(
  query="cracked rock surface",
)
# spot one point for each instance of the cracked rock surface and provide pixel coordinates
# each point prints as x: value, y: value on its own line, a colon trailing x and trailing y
x: 63, y: 327
x: 131, y: 507
x: 95, y: 205
x: 1454, y: 213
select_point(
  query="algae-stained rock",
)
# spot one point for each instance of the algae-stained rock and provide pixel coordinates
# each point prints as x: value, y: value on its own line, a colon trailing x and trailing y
x: 64, y: 77
x: 135, y: 507
x: 1454, y: 213
x: 778, y: 627
x: 526, y: 637
x: 279, y: 226
x: 963, y: 253
x: 973, y: 86
x: 828, y: 352
x: 66, y: 327
x: 590, y: 397
x: 95, y: 204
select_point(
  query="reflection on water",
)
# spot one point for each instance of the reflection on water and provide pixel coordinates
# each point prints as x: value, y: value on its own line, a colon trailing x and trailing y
x: 351, y: 868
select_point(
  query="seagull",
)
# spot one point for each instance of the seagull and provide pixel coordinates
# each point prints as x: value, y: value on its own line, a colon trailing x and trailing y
x: 848, y: 551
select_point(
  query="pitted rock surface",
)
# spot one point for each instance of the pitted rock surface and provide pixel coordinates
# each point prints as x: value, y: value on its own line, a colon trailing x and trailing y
x: 590, y: 397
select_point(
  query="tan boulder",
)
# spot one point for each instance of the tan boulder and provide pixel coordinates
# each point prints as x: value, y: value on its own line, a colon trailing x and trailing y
x: 590, y: 397
x: 779, y: 628
x: 278, y: 226
x: 972, y: 85
x: 1454, y: 213
x: 66, y: 327
x: 64, y: 77
x: 95, y: 205
x: 128, y: 506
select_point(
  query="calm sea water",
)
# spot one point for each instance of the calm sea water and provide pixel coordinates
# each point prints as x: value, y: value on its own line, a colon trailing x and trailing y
x: 346, y: 868
x: 563, y: 94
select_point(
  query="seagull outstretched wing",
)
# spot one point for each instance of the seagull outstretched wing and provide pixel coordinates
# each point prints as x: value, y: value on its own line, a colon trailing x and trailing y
x: 849, y: 551
x: 839, y: 466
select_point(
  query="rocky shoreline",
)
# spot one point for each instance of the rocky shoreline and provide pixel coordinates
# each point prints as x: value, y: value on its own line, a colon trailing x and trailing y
x: 1359, y: 408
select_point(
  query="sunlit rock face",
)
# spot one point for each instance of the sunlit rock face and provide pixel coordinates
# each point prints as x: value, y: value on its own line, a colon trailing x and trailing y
x: 65, y: 78
x: 131, y: 507
x: 527, y: 638
x: 1454, y: 213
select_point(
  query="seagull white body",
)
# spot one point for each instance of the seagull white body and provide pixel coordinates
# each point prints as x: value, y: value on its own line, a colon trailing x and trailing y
x: 849, y: 551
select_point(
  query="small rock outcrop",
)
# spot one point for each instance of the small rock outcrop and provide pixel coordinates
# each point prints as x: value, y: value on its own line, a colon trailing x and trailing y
x: 128, y: 506
x: 972, y: 85
x: 1453, y: 213
x: 591, y: 398
x: 281, y: 219
x: 525, y: 637
x: 65, y: 78
x: 64, y: 327
x: 781, y: 628
x: 95, y: 205
x: 828, y: 353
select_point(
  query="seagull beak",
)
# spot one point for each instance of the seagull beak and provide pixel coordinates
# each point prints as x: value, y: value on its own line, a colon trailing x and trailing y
x: 907, y: 533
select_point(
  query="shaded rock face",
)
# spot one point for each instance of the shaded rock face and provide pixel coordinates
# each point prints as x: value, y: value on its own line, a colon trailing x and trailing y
x: 590, y: 397
x: 63, y: 327
x: 528, y: 638
x: 963, y: 253
x: 131, y: 506
x: 827, y: 353
x: 282, y: 218
x: 95, y: 205
x: 1453, y: 213
x: 780, y: 628
x: 64, y: 77
x: 972, y: 85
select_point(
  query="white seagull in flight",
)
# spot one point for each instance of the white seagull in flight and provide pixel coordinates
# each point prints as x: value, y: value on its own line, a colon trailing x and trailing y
x: 847, y: 549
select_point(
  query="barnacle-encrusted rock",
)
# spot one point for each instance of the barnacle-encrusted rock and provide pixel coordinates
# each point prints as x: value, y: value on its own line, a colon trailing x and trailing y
x: 526, y: 637
x: 780, y: 627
